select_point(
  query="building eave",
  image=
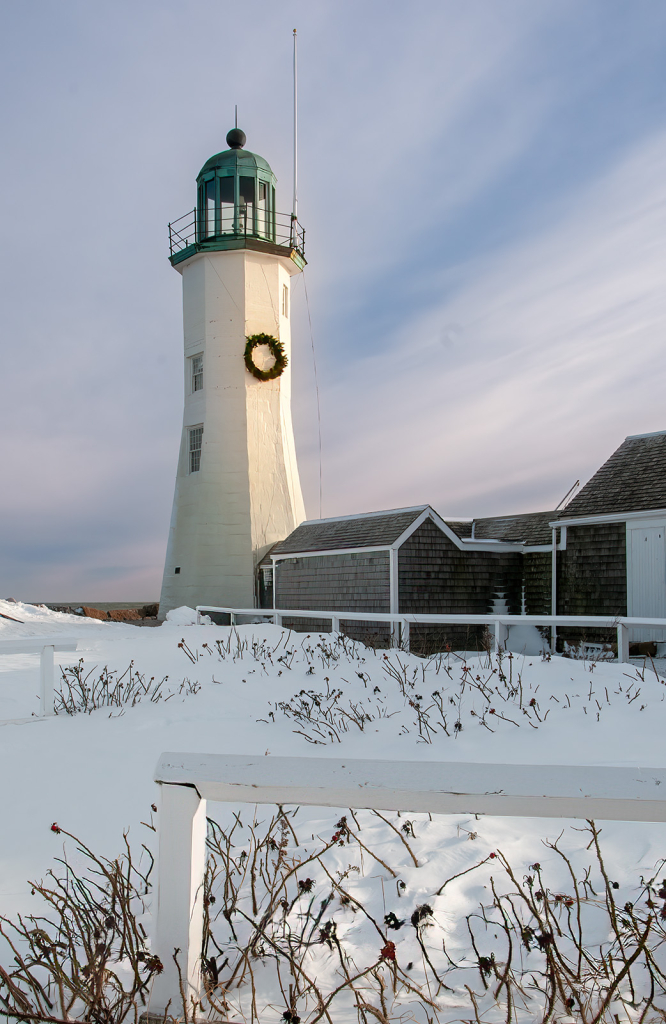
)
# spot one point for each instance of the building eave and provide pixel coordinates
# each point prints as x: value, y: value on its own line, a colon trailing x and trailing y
x: 320, y: 553
x: 611, y: 517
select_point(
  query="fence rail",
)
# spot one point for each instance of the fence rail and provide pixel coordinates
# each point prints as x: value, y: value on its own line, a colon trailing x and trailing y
x: 188, y: 781
x: 46, y: 647
x: 497, y: 624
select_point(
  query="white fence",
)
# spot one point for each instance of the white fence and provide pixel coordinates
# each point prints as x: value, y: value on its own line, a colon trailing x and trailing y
x: 45, y: 646
x: 188, y: 781
x: 498, y: 625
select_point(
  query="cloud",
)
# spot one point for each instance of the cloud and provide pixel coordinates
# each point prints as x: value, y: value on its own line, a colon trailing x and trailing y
x: 528, y: 375
x: 484, y: 318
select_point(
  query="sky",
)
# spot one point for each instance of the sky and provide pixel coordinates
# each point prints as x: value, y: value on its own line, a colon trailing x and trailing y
x: 483, y: 187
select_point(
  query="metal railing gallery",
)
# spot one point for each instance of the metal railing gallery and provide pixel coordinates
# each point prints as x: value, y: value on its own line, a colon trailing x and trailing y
x: 248, y: 221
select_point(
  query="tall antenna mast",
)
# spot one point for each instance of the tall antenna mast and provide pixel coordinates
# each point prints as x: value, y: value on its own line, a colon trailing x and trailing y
x: 294, y: 212
x: 236, y: 116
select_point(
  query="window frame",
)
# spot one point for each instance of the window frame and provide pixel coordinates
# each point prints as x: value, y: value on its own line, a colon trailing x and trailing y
x: 192, y: 374
x: 193, y: 452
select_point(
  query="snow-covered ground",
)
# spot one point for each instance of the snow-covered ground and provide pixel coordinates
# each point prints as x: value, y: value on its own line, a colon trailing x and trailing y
x: 261, y: 690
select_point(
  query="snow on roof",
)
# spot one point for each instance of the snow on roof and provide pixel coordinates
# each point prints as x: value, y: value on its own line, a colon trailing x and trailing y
x: 632, y: 480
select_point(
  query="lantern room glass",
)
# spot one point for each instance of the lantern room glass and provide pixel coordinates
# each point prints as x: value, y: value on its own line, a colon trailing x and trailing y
x: 246, y: 201
x: 227, y: 205
x: 236, y: 205
x: 209, y: 208
x: 262, y: 210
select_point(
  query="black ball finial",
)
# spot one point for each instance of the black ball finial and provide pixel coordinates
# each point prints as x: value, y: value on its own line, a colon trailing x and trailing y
x: 236, y: 139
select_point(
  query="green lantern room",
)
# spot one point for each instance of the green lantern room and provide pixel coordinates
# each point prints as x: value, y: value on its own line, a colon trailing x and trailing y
x: 236, y: 209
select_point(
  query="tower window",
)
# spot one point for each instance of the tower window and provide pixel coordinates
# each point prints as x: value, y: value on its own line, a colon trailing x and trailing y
x: 196, y: 442
x: 197, y: 373
x: 285, y: 300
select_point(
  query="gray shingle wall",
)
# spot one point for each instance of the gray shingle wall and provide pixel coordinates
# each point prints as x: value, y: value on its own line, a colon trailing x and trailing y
x: 435, y: 576
x: 300, y: 625
x: 536, y: 575
x: 592, y: 572
x: 352, y: 583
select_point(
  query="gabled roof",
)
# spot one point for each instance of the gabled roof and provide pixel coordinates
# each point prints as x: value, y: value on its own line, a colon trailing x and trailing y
x: 368, y: 530
x: 528, y: 528
x: 382, y: 529
x: 632, y: 480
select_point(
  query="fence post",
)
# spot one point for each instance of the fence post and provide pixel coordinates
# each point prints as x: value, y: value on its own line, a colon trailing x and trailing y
x: 622, y: 642
x: 232, y: 618
x: 501, y: 635
x: 404, y: 634
x: 181, y: 863
x: 46, y: 673
x: 335, y: 624
x: 277, y: 619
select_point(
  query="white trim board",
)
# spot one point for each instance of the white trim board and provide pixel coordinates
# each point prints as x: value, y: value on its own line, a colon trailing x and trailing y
x: 612, y: 517
x: 364, y: 515
x: 331, y: 551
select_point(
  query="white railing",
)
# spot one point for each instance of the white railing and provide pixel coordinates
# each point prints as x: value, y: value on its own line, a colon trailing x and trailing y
x: 497, y: 624
x: 45, y: 646
x: 187, y: 781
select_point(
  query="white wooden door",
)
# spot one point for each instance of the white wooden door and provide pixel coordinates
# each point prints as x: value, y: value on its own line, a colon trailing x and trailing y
x: 647, y: 577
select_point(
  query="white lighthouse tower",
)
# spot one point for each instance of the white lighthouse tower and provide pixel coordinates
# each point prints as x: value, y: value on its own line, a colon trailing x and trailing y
x: 237, y: 486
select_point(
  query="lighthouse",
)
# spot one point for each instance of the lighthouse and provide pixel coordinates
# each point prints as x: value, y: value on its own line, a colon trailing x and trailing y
x: 237, y: 486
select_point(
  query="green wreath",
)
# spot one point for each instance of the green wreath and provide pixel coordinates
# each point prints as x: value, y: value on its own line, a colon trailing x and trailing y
x: 277, y: 349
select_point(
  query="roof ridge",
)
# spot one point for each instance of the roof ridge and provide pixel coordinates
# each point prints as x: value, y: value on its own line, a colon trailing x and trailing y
x: 515, y: 515
x: 653, y: 433
x: 365, y: 515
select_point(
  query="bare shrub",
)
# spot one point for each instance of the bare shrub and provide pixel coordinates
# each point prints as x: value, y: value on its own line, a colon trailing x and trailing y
x: 534, y: 953
x: 82, y: 692
x: 300, y: 930
x: 88, y: 957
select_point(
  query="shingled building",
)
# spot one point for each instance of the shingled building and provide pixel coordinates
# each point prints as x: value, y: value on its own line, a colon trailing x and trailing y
x: 612, y: 557
x: 410, y: 560
x: 609, y: 544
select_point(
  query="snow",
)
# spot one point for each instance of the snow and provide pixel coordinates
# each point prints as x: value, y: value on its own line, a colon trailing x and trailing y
x: 182, y: 616
x: 92, y: 773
